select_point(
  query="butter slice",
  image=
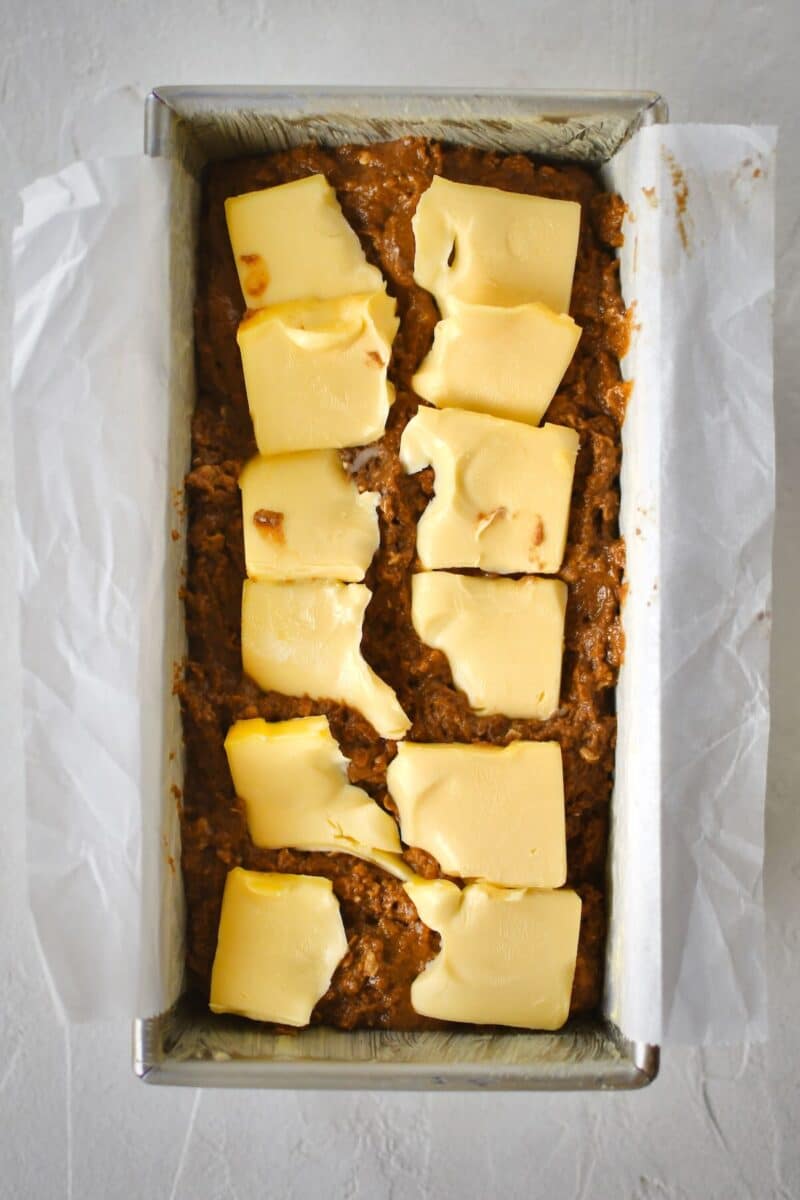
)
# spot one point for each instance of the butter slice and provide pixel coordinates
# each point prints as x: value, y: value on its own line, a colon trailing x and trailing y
x: 485, y: 246
x: 316, y: 372
x: 504, y: 361
x: 292, y: 777
x: 280, y: 940
x: 502, y: 490
x: 292, y: 242
x: 305, y: 518
x: 304, y: 639
x: 507, y: 957
x: 503, y: 638
x: 485, y: 812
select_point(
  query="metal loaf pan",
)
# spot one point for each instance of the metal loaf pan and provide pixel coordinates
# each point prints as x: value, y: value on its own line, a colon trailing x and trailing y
x: 194, y: 125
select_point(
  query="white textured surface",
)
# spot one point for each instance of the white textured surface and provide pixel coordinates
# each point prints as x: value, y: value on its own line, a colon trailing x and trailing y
x: 719, y: 1124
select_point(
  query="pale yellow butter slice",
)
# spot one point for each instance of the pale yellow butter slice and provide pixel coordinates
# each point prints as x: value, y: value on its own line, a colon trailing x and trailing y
x: 502, y: 490
x: 280, y: 940
x: 504, y: 361
x: 507, y: 957
x: 503, y: 638
x: 304, y: 518
x: 304, y: 639
x: 485, y: 812
x: 292, y: 777
x: 485, y: 246
x: 316, y: 372
x: 292, y: 242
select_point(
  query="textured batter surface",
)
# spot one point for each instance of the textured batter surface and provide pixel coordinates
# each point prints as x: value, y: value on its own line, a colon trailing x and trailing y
x: 378, y: 188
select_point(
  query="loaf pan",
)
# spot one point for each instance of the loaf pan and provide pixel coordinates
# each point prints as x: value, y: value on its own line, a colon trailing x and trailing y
x: 191, y: 126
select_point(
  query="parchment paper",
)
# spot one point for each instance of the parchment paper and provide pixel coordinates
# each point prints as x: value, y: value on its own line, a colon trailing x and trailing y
x: 93, y: 348
x: 91, y: 437
x: 703, y: 204
x: 698, y: 264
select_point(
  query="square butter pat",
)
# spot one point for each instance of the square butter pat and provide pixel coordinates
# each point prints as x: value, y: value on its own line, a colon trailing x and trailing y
x: 280, y: 940
x: 292, y: 242
x: 304, y: 639
x: 485, y: 246
x: 506, y: 958
x: 316, y: 372
x: 504, y: 361
x: 303, y: 518
x: 292, y: 777
x: 503, y: 638
x: 485, y: 812
x: 502, y: 490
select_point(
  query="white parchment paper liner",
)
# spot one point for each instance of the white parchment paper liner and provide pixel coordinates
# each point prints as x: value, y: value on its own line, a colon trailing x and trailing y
x: 95, y: 462
x: 92, y: 351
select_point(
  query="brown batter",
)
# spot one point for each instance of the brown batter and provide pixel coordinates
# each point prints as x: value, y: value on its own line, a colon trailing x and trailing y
x: 378, y: 188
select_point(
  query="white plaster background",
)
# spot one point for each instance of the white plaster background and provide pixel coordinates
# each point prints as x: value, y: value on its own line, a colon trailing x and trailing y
x: 716, y: 1125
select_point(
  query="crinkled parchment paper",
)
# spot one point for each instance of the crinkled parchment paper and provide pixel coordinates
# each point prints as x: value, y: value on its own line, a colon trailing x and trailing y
x: 96, y: 457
